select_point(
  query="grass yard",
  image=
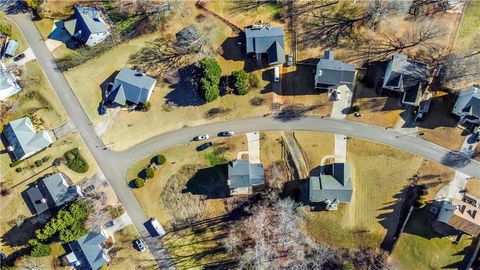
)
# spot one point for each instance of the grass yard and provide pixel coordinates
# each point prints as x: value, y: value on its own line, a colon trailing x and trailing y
x: 469, y: 25
x: 18, y: 36
x: 37, y: 97
x: 127, y: 256
x: 473, y: 187
x: 434, y: 175
x: 58, y: 8
x: 377, y: 110
x: 44, y: 26
x: 420, y: 247
x: 379, y: 175
x: 439, y: 126
x: 315, y: 146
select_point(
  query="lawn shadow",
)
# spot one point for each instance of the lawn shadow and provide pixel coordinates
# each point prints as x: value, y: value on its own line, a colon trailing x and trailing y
x: 297, y: 190
x: 440, y: 113
x: 211, y: 182
x: 231, y: 50
x: 392, y: 220
x: 18, y: 236
x: 5, y: 151
x: 184, y: 87
x: 467, y: 253
x: 299, y: 82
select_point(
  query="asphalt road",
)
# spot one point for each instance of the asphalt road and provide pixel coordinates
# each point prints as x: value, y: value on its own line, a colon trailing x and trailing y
x: 115, y: 164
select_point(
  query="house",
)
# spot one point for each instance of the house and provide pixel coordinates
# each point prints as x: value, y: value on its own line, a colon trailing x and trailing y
x: 11, y: 49
x: 331, y: 73
x: 461, y: 216
x: 243, y: 175
x: 131, y: 86
x: 23, y: 140
x: 331, y: 188
x: 405, y: 76
x: 8, y: 83
x: 87, y: 253
x: 87, y: 26
x: 467, y: 106
x: 52, y: 191
x: 269, y: 40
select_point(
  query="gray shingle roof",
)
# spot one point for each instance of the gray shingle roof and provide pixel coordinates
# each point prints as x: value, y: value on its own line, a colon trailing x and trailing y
x: 85, y: 21
x: 405, y: 73
x: 21, y: 135
x: 331, y: 187
x: 266, y: 40
x: 11, y: 49
x: 242, y: 173
x: 88, y: 250
x: 331, y: 72
x: 55, y: 191
x: 131, y: 86
x: 468, y: 103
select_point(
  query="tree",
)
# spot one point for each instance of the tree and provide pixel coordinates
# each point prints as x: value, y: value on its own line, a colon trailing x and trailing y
x: 150, y: 172
x: 239, y: 79
x: 210, y: 73
x: 41, y: 250
x: 139, y: 182
x: 160, y: 159
x: 33, y: 4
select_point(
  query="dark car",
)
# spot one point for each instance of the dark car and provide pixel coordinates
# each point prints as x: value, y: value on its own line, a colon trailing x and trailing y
x: 204, y: 146
x: 226, y: 133
x: 19, y: 57
x: 140, y: 245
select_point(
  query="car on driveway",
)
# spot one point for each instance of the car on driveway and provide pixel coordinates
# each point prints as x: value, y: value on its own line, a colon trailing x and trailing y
x: 204, y: 146
x: 19, y: 57
x: 139, y: 245
x: 226, y: 133
x: 201, y: 137
x: 289, y: 60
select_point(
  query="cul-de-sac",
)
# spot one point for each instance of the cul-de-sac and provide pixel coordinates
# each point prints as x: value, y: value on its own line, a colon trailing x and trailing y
x: 240, y: 134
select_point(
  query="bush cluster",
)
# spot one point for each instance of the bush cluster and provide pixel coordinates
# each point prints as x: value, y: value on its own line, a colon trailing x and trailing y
x: 160, y: 159
x: 139, y: 182
x: 75, y: 161
x: 39, y: 249
x: 240, y: 81
x: 210, y: 73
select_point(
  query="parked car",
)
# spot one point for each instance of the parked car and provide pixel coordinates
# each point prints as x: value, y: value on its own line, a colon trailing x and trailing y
x: 336, y: 95
x: 226, y: 133
x: 140, y: 245
x: 154, y: 227
x: 276, y: 74
x: 19, y: 57
x: 109, y: 224
x: 201, y: 137
x: 289, y: 60
x: 204, y: 146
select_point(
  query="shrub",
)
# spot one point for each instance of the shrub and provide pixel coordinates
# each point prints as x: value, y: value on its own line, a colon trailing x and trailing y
x: 41, y: 250
x: 257, y: 101
x: 57, y: 161
x: 15, y: 163
x: 45, y: 159
x: 150, y: 172
x: 139, y: 182
x: 160, y: 159
x: 38, y: 163
x: 355, y: 108
x: 239, y: 80
x: 5, y: 191
x: 75, y: 161
x: 146, y: 107
x: 253, y: 80
x: 210, y: 73
x: 215, y: 112
x: 116, y: 212
x: 19, y: 169
x: 420, y: 202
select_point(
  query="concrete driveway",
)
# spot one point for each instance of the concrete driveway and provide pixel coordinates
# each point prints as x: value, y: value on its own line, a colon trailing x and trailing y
x: 253, y: 139
x: 455, y: 188
x: 29, y: 56
x: 340, y: 148
x: 341, y: 107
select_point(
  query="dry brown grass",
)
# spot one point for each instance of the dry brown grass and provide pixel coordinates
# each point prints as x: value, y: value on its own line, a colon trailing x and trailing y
x: 377, y: 110
x: 473, y: 187
x: 434, y: 175
x: 315, y: 146
x: 128, y: 257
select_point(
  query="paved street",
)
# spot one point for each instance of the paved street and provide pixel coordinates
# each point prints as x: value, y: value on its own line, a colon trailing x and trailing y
x: 115, y: 164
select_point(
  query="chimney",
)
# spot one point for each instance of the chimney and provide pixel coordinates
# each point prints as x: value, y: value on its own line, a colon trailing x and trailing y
x: 43, y: 200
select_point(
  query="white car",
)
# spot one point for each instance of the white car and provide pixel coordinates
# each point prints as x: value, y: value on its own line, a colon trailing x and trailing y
x: 201, y: 137
x: 140, y: 245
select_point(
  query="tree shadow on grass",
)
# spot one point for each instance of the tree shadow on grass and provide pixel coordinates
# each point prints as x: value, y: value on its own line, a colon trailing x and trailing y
x: 294, y: 112
x: 211, y: 182
x: 184, y: 89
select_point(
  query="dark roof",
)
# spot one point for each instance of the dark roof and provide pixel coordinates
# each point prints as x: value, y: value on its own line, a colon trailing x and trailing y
x: 51, y: 191
x: 85, y: 21
x: 187, y: 35
x: 405, y: 73
x: 468, y: 103
x: 266, y: 39
x: 413, y: 93
x: 331, y: 72
x: 132, y: 86
x: 21, y: 135
x: 242, y: 173
x: 89, y: 251
x: 337, y: 185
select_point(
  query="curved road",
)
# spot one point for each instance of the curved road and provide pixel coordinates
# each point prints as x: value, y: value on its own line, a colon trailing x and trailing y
x: 115, y: 164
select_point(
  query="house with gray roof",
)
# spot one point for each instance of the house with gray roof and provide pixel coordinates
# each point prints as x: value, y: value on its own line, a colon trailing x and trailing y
x: 269, y: 40
x: 131, y: 87
x: 331, y: 73
x: 87, y: 26
x: 23, y: 140
x: 467, y: 106
x: 51, y: 192
x: 87, y: 253
x: 332, y: 188
x: 11, y: 49
x: 243, y: 175
x: 406, y: 76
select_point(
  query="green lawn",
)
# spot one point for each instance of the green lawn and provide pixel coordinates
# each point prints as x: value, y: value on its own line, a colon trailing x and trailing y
x: 18, y: 36
x: 470, y: 23
x: 44, y: 26
x: 420, y: 247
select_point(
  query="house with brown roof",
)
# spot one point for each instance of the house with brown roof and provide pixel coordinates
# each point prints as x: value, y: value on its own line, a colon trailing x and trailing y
x: 461, y: 216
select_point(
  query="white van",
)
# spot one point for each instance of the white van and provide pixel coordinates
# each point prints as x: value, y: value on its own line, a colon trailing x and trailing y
x: 276, y: 74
